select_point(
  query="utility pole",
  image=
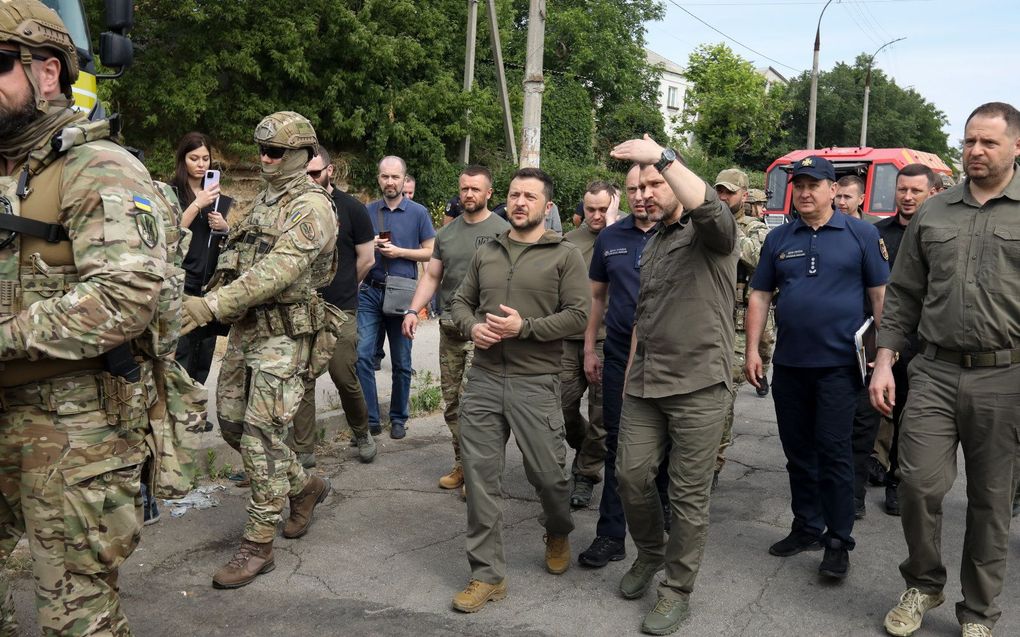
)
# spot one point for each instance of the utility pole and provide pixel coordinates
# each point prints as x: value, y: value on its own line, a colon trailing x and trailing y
x: 867, y: 93
x: 504, y: 98
x: 813, y: 104
x: 469, y: 69
x: 534, y: 85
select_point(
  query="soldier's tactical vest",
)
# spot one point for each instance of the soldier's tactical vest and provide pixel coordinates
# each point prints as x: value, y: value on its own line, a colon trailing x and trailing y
x: 37, y: 263
x: 297, y: 310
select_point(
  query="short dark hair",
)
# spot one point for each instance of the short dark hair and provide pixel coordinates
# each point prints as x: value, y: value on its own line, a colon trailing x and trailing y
x: 473, y: 170
x: 851, y: 180
x: 539, y: 174
x: 999, y: 109
x: 917, y: 170
x: 600, y: 185
x: 326, y: 158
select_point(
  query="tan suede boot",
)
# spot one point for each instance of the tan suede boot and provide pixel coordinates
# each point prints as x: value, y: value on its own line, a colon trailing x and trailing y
x: 557, y: 553
x: 453, y: 479
x: 302, y: 505
x: 250, y: 561
x: 472, y: 598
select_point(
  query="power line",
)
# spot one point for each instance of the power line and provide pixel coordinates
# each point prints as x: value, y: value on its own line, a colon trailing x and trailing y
x: 732, y: 39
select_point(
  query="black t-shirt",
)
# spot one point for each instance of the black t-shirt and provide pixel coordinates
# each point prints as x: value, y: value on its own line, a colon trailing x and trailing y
x: 892, y: 235
x: 355, y: 229
x: 198, y: 266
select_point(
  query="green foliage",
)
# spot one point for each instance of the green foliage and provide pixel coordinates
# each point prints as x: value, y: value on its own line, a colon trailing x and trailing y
x: 426, y: 396
x: 627, y: 121
x: 729, y: 110
x: 567, y: 123
x: 897, y: 117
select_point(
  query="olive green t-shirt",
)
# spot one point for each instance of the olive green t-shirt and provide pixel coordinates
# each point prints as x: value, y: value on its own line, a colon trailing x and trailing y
x: 516, y: 249
x: 455, y: 245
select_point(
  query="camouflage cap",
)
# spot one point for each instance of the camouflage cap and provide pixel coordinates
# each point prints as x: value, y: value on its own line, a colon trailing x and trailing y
x: 756, y: 196
x: 32, y: 24
x: 732, y: 179
x: 286, y: 129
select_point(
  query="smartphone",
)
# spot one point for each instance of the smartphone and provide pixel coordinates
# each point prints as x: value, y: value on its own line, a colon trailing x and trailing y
x: 384, y: 235
x: 211, y: 177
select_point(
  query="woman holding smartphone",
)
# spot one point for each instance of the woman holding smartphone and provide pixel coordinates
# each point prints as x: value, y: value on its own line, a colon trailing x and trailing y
x: 205, y: 212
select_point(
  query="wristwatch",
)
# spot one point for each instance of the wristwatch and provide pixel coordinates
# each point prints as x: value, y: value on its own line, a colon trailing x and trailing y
x: 410, y: 311
x: 668, y: 157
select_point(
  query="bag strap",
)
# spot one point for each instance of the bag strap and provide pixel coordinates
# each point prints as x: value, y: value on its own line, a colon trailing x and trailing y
x: 382, y: 225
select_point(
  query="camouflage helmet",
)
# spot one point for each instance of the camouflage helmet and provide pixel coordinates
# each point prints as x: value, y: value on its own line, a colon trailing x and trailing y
x: 286, y: 129
x: 756, y: 195
x: 32, y: 24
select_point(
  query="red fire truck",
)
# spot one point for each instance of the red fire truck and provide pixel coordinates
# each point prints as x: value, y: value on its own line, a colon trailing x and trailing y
x: 876, y: 166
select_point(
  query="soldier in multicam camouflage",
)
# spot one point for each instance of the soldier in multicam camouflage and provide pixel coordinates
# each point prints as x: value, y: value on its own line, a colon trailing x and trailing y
x: 265, y: 285
x: 731, y: 186
x: 754, y: 207
x: 83, y: 259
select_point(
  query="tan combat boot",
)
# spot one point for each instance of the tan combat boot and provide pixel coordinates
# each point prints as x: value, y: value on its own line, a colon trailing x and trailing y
x: 302, y: 505
x: 453, y: 479
x: 250, y: 561
x: 472, y: 598
x: 557, y: 553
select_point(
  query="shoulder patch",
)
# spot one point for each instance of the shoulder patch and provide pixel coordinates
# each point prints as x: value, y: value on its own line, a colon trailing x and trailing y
x: 308, y: 230
x: 148, y: 228
x: 297, y: 215
x: 883, y: 249
x: 142, y: 203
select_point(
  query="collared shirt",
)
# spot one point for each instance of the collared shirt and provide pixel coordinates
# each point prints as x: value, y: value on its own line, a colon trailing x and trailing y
x: 957, y: 277
x: 822, y: 276
x: 616, y: 261
x: 684, y: 316
x: 410, y: 226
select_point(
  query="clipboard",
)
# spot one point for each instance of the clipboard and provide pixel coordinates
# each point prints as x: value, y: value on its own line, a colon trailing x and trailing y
x: 866, y: 346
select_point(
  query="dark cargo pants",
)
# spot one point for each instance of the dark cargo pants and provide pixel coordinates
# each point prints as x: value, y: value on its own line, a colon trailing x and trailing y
x: 492, y: 407
x: 693, y: 423
x: 977, y: 409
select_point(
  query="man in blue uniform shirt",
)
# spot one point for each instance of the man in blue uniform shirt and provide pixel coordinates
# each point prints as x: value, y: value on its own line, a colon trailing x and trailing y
x: 824, y: 265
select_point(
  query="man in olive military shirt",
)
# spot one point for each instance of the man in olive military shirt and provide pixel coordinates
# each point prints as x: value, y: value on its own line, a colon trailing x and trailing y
x: 456, y: 243
x: 586, y: 436
x: 957, y: 283
x: 695, y: 244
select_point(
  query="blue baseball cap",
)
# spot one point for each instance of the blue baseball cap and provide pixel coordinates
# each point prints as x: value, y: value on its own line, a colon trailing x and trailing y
x: 814, y: 167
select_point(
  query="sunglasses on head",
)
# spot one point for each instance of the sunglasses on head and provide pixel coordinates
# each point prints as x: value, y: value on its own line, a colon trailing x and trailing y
x: 272, y: 152
x: 9, y: 58
x: 314, y: 174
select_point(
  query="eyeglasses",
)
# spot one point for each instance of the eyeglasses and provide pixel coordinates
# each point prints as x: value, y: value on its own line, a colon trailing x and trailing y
x: 272, y: 152
x: 9, y: 58
x: 314, y: 174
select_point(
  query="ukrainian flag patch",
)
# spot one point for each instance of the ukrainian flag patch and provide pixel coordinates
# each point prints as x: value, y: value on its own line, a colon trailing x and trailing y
x: 142, y: 203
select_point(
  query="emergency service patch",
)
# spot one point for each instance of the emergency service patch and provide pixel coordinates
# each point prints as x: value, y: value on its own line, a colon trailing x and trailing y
x: 883, y: 249
x: 148, y: 229
x: 308, y: 230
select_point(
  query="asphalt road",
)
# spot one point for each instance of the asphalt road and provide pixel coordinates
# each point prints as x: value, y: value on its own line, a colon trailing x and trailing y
x: 386, y: 553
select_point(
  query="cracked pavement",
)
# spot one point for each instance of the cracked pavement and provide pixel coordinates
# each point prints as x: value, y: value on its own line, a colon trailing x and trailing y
x: 385, y: 554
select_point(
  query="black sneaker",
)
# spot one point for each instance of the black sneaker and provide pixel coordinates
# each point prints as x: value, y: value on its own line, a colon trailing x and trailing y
x: 397, y: 431
x: 763, y: 390
x: 375, y: 430
x: 835, y: 563
x: 892, y: 501
x: 876, y: 472
x: 860, y: 510
x: 602, y: 551
x: 796, y: 542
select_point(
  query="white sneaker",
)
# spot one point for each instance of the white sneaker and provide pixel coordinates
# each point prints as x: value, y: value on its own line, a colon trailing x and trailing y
x: 905, y: 618
x: 975, y: 630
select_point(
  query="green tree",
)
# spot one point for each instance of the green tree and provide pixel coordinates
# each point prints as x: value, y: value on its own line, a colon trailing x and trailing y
x: 729, y: 111
x: 897, y: 116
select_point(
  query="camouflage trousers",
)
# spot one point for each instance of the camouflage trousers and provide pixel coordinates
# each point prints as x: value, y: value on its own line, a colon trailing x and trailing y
x: 586, y: 436
x: 455, y: 354
x: 258, y: 392
x: 70, y: 478
x: 768, y: 339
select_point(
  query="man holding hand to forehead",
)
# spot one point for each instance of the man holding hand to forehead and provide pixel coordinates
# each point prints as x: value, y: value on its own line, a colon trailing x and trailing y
x: 521, y: 296
x: 684, y: 313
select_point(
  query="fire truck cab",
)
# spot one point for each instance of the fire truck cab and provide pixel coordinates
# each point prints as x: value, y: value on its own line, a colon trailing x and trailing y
x: 876, y: 166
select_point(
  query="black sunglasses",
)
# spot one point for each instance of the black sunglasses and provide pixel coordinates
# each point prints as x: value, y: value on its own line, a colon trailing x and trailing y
x: 272, y: 152
x: 314, y: 174
x: 9, y: 58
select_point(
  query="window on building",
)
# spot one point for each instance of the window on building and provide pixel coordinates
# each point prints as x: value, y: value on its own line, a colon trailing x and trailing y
x: 672, y: 97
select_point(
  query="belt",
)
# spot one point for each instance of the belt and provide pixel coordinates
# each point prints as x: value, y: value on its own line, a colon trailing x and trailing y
x: 967, y: 360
